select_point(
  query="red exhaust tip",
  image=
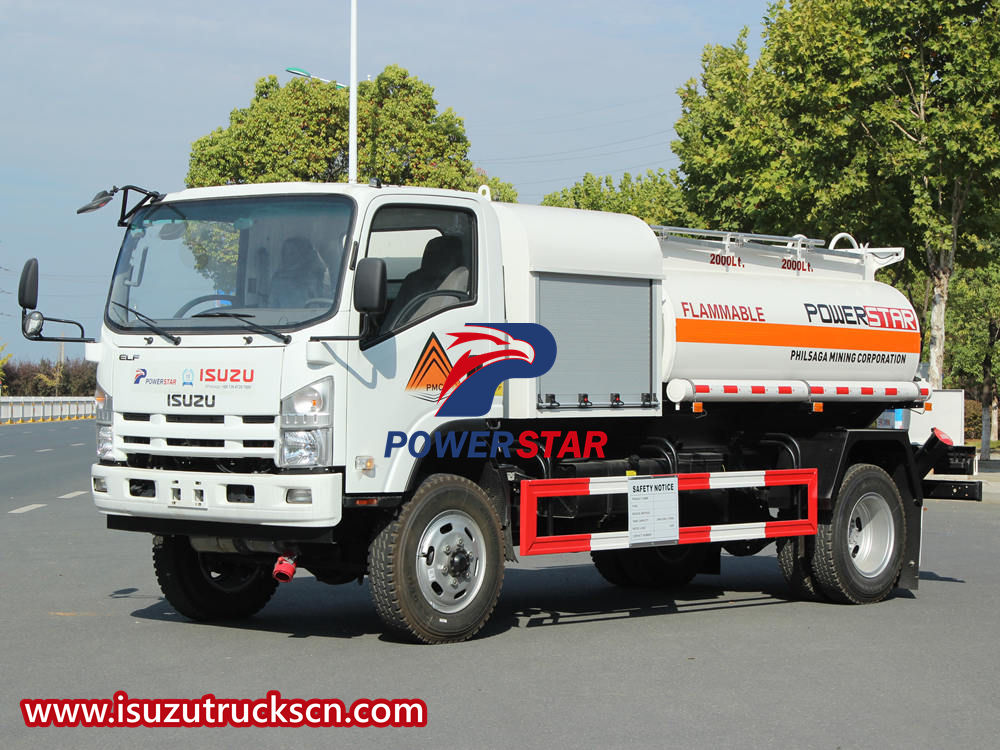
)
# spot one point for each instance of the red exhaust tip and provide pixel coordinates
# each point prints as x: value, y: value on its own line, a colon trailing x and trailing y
x: 943, y: 437
x: 284, y: 569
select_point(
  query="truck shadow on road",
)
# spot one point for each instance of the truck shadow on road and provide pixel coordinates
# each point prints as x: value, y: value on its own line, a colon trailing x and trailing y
x: 541, y: 597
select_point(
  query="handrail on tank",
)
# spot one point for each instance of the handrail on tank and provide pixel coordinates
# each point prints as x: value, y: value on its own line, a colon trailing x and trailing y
x: 741, y: 236
x: 709, y: 238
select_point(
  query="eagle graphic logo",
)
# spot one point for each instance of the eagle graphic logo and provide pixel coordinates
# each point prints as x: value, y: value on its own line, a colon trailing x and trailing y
x: 466, y: 387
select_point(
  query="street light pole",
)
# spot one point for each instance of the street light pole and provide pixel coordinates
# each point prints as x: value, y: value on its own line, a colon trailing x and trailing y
x: 352, y: 128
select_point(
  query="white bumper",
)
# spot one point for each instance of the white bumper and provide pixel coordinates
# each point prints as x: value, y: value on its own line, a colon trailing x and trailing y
x: 194, y: 496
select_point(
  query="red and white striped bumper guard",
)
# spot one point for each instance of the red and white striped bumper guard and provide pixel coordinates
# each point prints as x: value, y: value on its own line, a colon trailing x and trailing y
x: 534, y: 489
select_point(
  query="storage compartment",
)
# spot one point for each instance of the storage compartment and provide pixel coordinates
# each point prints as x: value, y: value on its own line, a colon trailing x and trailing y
x: 604, y: 330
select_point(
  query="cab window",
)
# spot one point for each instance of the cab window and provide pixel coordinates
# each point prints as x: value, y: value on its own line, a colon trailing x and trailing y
x: 429, y: 253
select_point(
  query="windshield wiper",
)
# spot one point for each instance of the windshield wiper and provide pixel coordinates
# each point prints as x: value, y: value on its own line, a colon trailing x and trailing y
x: 150, y: 323
x: 245, y: 318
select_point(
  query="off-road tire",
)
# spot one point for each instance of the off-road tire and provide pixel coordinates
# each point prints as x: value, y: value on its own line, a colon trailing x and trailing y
x: 410, y: 590
x: 666, y: 567
x: 860, y: 546
x: 209, y: 586
x: 797, y: 570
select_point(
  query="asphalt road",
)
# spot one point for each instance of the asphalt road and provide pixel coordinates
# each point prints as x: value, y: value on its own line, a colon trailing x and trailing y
x: 567, y: 661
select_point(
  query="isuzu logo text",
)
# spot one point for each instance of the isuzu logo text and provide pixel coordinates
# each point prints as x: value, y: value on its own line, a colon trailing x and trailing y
x: 191, y: 399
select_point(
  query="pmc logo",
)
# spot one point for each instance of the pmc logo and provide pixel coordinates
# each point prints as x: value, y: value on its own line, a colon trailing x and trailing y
x: 492, y: 354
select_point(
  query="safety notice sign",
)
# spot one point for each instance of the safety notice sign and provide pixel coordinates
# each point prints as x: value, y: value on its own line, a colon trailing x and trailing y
x: 652, y: 511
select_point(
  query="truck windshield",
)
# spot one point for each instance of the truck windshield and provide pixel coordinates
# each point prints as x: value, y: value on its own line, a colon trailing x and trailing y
x: 271, y: 261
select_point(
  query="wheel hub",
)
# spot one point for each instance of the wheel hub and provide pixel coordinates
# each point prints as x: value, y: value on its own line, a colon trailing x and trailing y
x: 870, y: 535
x: 449, y: 557
x: 459, y: 564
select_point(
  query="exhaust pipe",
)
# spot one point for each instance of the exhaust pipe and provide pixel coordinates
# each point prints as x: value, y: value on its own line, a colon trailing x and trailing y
x: 932, y: 451
x: 284, y: 569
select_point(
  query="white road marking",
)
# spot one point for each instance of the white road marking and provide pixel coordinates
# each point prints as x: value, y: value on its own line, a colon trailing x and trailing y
x: 9, y: 455
x: 69, y: 495
x: 43, y: 450
x: 76, y: 445
x: 26, y: 508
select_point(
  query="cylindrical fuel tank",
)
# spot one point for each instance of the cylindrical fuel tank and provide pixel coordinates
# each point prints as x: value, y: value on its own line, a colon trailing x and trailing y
x: 799, y: 326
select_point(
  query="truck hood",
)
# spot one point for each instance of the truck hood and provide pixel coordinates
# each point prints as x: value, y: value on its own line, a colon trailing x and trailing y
x: 198, y: 381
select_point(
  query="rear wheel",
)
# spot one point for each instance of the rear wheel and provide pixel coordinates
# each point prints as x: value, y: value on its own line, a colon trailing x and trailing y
x: 436, y: 570
x: 797, y: 570
x: 859, y: 551
x: 665, y: 567
x: 206, y: 586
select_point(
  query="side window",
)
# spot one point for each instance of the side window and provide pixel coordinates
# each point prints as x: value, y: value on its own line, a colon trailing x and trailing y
x: 429, y: 253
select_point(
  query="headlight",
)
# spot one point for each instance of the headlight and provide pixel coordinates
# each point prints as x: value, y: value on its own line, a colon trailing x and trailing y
x: 104, y: 416
x: 105, y: 442
x: 104, y: 410
x: 310, y: 406
x: 304, y: 448
x: 306, y: 422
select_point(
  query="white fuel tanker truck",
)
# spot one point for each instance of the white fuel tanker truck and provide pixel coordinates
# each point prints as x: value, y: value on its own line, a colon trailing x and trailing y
x: 418, y: 385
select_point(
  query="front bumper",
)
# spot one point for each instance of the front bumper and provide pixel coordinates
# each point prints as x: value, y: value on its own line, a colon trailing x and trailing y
x: 197, y: 496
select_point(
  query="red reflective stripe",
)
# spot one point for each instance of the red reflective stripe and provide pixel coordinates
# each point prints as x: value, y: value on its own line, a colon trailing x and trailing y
x: 730, y: 389
x: 702, y: 389
x: 925, y: 392
x: 784, y: 389
x: 843, y: 390
x: 816, y: 389
x: 758, y: 389
x: 891, y: 392
x: 867, y: 391
x: 694, y: 534
x: 693, y: 481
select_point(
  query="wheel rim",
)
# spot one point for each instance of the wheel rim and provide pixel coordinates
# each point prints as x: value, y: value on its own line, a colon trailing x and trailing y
x: 227, y: 576
x: 871, y: 535
x: 449, y: 562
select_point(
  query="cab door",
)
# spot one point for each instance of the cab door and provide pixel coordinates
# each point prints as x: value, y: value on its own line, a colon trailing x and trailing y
x: 438, y: 281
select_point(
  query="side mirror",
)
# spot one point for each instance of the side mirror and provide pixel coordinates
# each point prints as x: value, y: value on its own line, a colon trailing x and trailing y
x: 27, y: 290
x: 31, y: 324
x: 370, y: 286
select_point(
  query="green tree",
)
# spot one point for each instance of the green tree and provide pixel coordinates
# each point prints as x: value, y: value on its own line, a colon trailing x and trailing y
x: 298, y: 132
x: 974, y: 338
x: 881, y: 116
x: 4, y: 358
x: 653, y: 197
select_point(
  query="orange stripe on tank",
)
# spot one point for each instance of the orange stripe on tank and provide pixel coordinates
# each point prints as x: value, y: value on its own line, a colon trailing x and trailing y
x: 807, y: 337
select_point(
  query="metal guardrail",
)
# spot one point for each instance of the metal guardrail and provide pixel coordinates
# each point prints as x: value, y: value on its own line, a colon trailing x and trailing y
x: 21, y: 409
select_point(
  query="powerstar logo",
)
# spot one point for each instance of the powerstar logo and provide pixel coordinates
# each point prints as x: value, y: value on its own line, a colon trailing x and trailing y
x: 139, y: 375
x: 490, y: 354
x: 493, y: 353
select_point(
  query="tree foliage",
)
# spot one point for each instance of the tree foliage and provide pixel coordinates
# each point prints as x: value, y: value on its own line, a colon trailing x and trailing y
x: 974, y: 338
x: 654, y: 197
x: 882, y: 116
x: 4, y: 359
x: 76, y: 377
x: 299, y: 132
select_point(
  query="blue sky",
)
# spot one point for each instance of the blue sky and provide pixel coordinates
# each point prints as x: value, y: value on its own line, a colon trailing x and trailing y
x: 96, y: 94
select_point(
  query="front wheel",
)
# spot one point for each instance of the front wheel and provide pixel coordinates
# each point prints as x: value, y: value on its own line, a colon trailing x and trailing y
x: 206, y: 586
x: 436, y: 570
x: 859, y: 550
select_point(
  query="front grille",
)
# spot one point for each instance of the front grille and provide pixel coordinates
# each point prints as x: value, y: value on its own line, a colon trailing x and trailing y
x: 196, y: 418
x: 190, y: 438
x: 259, y: 419
x: 195, y: 443
x: 202, y: 464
